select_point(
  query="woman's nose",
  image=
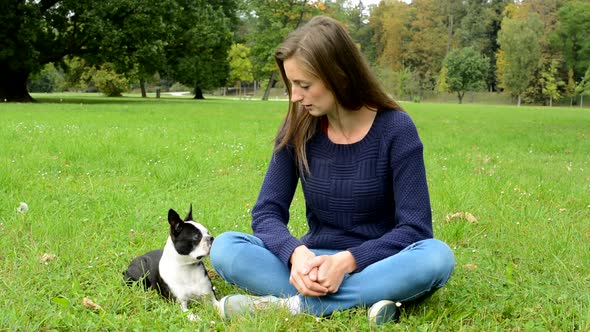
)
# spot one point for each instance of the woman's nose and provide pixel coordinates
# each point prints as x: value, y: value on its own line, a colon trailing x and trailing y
x: 296, y: 95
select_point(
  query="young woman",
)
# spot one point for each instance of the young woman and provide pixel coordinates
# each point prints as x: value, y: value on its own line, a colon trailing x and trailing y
x: 359, y: 160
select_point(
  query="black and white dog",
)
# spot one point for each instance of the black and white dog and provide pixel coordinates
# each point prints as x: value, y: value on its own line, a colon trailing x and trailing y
x: 177, y: 271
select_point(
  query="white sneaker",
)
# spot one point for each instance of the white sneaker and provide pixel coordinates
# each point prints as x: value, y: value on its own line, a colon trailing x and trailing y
x: 384, y: 311
x: 238, y: 304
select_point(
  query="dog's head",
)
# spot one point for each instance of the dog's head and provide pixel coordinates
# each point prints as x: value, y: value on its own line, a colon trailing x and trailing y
x: 189, y: 237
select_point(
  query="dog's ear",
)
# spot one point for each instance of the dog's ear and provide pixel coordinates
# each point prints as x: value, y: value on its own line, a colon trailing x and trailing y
x: 189, y: 216
x: 174, y: 219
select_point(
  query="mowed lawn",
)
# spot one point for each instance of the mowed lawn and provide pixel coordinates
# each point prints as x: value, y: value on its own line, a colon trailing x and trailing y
x: 510, y: 191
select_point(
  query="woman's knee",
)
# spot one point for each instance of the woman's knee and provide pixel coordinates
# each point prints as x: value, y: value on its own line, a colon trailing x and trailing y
x: 223, y: 248
x: 441, y: 260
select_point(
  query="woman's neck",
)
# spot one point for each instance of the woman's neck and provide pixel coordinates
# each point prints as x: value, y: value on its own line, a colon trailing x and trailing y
x: 348, y: 127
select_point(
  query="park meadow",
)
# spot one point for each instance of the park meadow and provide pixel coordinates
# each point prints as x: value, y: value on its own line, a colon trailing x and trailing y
x: 510, y: 193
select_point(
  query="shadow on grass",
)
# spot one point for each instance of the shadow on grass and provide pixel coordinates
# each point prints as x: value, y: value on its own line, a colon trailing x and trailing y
x: 93, y: 99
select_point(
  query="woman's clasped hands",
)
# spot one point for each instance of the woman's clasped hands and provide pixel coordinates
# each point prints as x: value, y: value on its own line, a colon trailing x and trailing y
x: 314, y: 275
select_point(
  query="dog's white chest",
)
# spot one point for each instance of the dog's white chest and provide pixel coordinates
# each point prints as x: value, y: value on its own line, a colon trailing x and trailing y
x: 186, y: 279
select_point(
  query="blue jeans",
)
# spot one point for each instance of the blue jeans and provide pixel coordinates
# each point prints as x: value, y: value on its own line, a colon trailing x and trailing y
x: 414, y: 273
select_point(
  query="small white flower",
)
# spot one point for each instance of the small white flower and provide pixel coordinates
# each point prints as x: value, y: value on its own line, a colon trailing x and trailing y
x: 22, y: 208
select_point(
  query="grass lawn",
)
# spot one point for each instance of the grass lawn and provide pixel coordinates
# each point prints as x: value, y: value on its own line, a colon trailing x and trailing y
x: 510, y: 190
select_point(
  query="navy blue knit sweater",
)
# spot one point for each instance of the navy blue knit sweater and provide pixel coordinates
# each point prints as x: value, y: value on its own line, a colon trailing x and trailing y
x: 370, y: 197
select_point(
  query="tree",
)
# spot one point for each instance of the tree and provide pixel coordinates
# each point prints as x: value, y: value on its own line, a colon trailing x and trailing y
x: 519, y: 42
x: 467, y: 71
x: 550, y: 83
x: 391, y: 23
x: 572, y: 36
x: 570, y: 87
x: 48, y: 80
x: 138, y: 33
x: 442, y: 85
x: 197, y: 54
x: 134, y: 35
x: 583, y: 87
x: 427, y: 47
x: 107, y: 80
x: 479, y: 29
x: 35, y: 33
x: 240, y: 65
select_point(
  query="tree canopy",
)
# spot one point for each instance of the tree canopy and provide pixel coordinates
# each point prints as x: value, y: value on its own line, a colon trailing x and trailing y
x: 519, y: 41
x: 530, y: 45
x: 187, y: 39
x: 466, y: 70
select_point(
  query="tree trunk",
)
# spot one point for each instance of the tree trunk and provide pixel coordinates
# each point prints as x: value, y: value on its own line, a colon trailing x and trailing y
x: 518, y: 104
x: 460, y: 96
x: 450, y: 34
x: 198, y: 92
x: 271, y: 82
x: 13, y: 85
x: 142, y: 86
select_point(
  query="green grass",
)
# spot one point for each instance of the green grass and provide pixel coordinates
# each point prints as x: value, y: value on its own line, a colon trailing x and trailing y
x: 99, y: 175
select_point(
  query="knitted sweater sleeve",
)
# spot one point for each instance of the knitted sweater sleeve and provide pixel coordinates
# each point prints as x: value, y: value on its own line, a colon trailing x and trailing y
x: 413, y: 215
x: 270, y: 214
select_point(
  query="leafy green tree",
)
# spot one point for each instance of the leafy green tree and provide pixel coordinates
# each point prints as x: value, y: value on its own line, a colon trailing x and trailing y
x: 35, y: 33
x: 550, y: 83
x: 136, y: 36
x: 442, y: 85
x: 572, y: 36
x: 391, y: 24
x: 48, y: 80
x: 197, y: 54
x: 519, y: 42
x: 426, y: 49
x: 467, y: 71
x: 479, y: 29
x: 107, y: 80
x: 240, y: 65
x: 583, y: 87
x: 570, y: 87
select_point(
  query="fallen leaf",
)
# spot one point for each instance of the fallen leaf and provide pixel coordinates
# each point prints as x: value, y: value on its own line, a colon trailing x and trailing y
x: 46, y: 258
x: 470, y: 266
x: 470, y: 218
x: 461, y: 215
x: 88, y: 303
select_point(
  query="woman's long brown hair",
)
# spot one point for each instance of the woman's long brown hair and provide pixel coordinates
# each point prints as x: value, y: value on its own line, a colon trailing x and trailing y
x: 325, y: 50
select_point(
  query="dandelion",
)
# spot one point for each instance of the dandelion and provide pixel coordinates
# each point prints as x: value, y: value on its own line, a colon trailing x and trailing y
x: 22, y: 208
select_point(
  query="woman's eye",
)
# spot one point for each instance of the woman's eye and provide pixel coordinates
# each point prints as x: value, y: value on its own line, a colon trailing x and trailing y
x: 305, y: 87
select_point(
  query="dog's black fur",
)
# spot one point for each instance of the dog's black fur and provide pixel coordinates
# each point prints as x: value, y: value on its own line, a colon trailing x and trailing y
x: 176, y: 271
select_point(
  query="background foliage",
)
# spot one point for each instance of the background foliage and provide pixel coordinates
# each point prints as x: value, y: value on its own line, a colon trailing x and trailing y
x: 527, y: 43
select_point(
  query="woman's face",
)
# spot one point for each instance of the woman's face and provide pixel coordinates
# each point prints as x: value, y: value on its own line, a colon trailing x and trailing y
x: 308, y: 90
